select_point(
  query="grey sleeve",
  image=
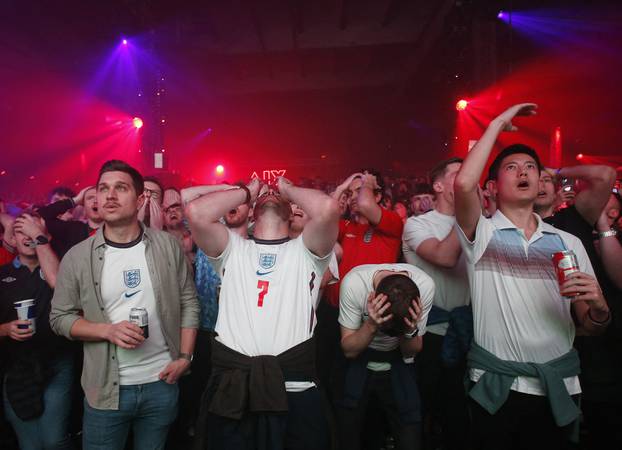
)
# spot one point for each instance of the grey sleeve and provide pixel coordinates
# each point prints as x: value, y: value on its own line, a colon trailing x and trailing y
x: 66, y: 304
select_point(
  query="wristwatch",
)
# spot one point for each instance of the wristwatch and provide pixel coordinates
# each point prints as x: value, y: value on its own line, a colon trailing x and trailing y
x: 42, y: 240
x: 186, y: 356
x: 604, y: 234
x: 412, y: 334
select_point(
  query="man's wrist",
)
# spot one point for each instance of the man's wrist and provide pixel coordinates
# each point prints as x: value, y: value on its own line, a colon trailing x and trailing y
x: 105, y: 331
x: 185, y: 356
x: 42, y: 239
x: 599, y: 318
x: 371, y: 327
x: 497, y: 124
x: 247, y: 200
x: 411, y: 334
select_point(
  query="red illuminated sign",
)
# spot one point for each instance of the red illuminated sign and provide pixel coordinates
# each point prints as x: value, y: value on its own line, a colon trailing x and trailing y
x: 269, y: 175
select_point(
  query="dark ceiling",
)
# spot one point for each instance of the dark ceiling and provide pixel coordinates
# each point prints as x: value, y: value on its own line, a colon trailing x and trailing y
x: 374, y: 78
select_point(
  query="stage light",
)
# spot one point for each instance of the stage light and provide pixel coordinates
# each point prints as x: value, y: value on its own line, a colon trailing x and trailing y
x: 137, y: 122
x: 3, y: 172
x: 579, y: 156
x: 461, y: 105
x: 124, y: 41
x: 220, y: 169
x: 501, y: 15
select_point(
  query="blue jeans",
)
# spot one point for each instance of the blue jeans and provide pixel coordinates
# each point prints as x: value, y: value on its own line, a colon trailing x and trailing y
x: 149, y: 408
x: 50, y: 430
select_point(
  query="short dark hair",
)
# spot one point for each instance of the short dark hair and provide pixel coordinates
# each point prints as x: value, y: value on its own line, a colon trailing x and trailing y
x: 379, y: 181
x: 441, y: 168
x: 156, y: 181
x: 62, y: 190
x: 493, y: 171
x: 422, y: 188
x: 400, y: 291
x: 116, y: 165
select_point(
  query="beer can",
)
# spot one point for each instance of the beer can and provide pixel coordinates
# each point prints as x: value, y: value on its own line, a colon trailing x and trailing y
x: 565, y: 263
x: 139, y: 317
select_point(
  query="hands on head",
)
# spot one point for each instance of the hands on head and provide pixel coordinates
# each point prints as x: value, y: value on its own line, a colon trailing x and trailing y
x: 30, y: 226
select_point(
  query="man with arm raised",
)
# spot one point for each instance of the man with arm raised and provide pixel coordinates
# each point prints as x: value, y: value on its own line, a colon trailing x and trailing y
x: 521, y: 358
x: 266, y: 317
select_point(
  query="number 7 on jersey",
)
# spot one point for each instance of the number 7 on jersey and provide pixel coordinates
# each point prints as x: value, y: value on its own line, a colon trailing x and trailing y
x: 263, y: 285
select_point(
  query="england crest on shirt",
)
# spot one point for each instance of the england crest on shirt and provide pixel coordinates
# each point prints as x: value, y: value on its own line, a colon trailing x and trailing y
x: 131, y: 278
x: 267, y: 260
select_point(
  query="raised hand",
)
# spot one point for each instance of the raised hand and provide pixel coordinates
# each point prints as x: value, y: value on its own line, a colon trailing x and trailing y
x: 79, y: 199
x: 282, y: 184
x: 253, y: 187
x: 30, y: 226
x: 522, y: 109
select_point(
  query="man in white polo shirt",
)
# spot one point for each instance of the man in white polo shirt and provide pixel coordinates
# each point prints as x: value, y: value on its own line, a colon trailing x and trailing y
x: 522, y: 364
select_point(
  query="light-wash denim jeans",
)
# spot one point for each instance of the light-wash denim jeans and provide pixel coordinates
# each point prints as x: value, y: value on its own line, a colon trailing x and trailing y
x: 149, y: 409
x: 51, y: 429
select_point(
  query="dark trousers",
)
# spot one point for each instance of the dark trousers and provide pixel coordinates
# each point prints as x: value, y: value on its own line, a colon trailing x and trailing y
x: 302, y: 427
x: 603, y: 421
x: 191, y: 387
x: 446, y: 419
x: 327, y: 340
x: 523, y: 422
x: 351, y: 421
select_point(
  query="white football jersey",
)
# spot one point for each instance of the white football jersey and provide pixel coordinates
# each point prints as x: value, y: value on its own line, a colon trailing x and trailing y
x: 125, y: 284
x: 268, y: 294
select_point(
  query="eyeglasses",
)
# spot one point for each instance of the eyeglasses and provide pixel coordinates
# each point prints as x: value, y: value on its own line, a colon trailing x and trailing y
x: 154, y: 194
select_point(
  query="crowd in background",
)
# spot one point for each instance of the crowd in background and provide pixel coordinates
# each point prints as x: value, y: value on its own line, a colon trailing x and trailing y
x: 405, y: 286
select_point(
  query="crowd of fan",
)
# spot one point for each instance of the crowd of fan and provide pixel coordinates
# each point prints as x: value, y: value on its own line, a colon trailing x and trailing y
x: 407, y: 286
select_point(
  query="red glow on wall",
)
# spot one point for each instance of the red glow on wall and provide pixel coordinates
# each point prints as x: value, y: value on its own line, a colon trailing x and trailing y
x: 555, y: 151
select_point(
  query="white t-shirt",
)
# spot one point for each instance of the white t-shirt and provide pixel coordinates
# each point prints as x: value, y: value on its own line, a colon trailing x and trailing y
x: 125, y: 284
x: 518, y: 312
x: 452, y: 284
x: 268, y: 296
x: 355, y: 288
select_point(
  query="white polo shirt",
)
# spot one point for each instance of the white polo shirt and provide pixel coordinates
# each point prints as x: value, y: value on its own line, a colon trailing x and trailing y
x: 518, y: 312
x: 452, y: 284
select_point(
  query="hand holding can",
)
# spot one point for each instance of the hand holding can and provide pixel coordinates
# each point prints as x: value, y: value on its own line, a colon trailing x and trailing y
x: 565, y: 263
x: 138, y: 316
